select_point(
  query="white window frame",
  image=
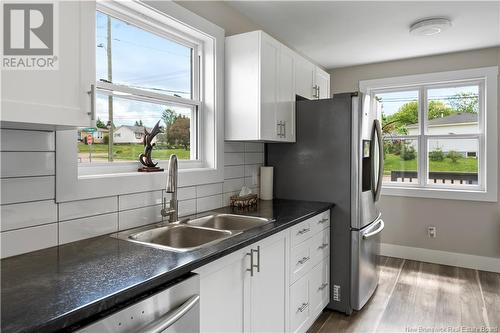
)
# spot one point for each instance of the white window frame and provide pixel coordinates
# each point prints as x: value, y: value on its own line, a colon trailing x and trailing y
x: 75, y: 182
x: 487, y: 78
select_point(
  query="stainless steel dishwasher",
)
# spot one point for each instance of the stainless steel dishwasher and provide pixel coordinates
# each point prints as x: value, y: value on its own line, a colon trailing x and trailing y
x: 173, y: 310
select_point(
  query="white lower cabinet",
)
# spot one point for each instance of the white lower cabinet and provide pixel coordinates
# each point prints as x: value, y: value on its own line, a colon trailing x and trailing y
x: 262, y: 289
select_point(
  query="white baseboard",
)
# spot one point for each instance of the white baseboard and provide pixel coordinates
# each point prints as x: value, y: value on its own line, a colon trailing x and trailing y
x: 489, y: 264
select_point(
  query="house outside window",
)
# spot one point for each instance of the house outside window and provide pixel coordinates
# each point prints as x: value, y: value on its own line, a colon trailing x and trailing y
x: 436, y: 134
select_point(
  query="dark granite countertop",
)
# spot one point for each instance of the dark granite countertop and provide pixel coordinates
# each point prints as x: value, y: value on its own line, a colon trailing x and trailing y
x: 60, y: 287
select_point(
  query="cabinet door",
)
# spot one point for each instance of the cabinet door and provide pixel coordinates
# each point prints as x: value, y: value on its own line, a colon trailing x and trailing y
x: 267, y: 288
x: 285, y: 114
x: 322, y: 82
x: 319, y: 287
x: 57, y: 97
x: 222, y: 294
x: 304, y: 77
x: 299, y: 305
x: 269, y: 87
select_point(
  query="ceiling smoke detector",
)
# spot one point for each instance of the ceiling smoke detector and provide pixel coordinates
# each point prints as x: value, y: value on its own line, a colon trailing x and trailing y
x: 430, y: 26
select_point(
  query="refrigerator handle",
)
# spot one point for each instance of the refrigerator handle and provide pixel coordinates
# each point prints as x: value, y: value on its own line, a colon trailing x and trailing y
x: 376, y: 231
x: 377, y: 130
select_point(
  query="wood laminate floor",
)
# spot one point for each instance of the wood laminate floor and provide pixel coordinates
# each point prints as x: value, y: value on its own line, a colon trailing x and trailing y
x: 418, y: 297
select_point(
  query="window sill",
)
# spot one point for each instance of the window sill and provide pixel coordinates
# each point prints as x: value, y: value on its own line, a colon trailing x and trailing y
x: 438, y: 193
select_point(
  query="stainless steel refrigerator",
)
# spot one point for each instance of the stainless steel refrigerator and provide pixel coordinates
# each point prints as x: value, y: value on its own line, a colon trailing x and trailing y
x: 338, y: 157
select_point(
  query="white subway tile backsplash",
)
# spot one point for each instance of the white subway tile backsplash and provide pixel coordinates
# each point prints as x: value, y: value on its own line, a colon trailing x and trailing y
x: 234, y: 147
x: 251, y: 169
x: 31, y: 220
x: 137, y: 200
x: 187, y: 207
x: 23, y: 164
x: 26, y: 189
x: 186, y: 193
x: 254, y: 158
x: 209, y: 189
x: 28, y: 214
x: 208, y: 203
x: 19, y: 140
x: 254, y: 147
x: 232, y: 185
x: 82, y: 208
x: 234, y: 159
x: 139, y: 217
x: 73, y: 230
x: 235, y: 171
x: 28, y: 239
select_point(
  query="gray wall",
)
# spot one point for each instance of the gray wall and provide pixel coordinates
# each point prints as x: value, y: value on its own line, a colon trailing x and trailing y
x: 462, y: 226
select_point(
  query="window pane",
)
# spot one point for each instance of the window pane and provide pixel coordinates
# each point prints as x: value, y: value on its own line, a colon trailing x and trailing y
x: 400, y: 161
x: 453, y: 110
x: 126, y: 132
x: 399, y: 112
x: 453, y: 161
x: 141, y: 59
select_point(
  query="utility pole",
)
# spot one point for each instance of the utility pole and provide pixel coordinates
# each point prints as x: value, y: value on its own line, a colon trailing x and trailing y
x: 110, y: 97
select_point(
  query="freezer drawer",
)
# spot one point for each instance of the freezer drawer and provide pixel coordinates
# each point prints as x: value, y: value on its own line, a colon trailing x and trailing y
x: 365, y: 249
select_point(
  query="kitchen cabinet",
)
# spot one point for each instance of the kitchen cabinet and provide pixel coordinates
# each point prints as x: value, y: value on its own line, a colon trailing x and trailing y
x: 311, y: 81
x: 260, y: 89
x: 245, y: 291
x: 258, y: 289
x: 57, y: 97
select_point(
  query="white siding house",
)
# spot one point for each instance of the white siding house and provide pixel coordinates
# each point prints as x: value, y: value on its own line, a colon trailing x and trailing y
x: 129, y: 134
x: 459, y: 123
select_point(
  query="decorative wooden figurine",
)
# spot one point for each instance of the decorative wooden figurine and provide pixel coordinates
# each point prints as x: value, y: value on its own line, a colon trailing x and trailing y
x: 145, y: 158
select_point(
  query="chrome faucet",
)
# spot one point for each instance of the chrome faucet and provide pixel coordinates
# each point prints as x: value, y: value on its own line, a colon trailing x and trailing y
x: 172, y: 176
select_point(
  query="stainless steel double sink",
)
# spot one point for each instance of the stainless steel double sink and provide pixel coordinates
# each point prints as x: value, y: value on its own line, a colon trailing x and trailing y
x: 192, y: 234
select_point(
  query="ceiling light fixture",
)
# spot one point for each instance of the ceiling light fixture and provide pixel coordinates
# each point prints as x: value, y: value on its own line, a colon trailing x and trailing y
x: 430, y: 26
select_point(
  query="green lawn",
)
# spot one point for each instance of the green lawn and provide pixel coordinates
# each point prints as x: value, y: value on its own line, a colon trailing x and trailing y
x: 394, y: 162
x: 130, y: 152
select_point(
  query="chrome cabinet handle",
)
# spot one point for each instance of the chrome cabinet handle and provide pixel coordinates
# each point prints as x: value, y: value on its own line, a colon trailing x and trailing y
x: 323, y: 286
x: 303, y: 307
x: 91, y: 93
x: 303, y: 231
x: 284, y: 129
x: 172, y: 317
x: 252, y: 265
x: 303, y: 260
x: 319, y: 89
x: 322, y: 221
x: 278, y: 129
x: 258, y: 258
x: 322, y: 246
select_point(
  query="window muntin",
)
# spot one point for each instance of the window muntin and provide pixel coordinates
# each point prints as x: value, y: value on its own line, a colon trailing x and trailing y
x: 446, y: 146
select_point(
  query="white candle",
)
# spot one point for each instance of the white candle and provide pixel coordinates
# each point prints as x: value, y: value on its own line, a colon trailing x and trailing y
x: 266, y: 183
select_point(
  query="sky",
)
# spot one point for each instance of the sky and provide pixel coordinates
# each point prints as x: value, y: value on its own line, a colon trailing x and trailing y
x: 166, y: 68
x: 392, y: 101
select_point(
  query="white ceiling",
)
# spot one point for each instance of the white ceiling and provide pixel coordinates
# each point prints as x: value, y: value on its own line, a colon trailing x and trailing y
x: 339, y: 34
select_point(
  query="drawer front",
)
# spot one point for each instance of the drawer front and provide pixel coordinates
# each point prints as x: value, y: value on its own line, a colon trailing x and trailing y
x: 299, y: 305
x: 320, y: 246
x: 319, y: 287
x: 301, y: 232
x: 320, y: 222
x: 300, y: 261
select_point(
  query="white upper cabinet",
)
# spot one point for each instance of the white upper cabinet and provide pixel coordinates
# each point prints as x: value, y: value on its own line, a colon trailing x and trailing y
x: 311, y: 81
x: 304, y: 77
x: 59, y: 96
x: 321, y: 83
x: 260, y: 92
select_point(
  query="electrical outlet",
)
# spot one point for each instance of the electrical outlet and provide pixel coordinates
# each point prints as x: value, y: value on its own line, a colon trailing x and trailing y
x: 431, y: 231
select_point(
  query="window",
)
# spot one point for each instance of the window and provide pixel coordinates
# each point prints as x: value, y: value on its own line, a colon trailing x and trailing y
x: 435, y: 133
x: 143, y: 75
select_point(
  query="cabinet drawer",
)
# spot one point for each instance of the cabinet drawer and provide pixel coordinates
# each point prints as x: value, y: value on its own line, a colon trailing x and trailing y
x: 320, y: 221
x: 319, y: 288
x: 300, y: 232
x: 320, y: 246
x: 299, y: 305
x: 300, y: 261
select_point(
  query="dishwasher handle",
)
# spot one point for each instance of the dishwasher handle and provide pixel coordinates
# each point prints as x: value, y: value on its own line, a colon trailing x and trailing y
x: 171, y: 317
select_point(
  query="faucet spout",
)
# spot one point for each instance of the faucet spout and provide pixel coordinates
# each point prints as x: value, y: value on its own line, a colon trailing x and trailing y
x: 172, y: 178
